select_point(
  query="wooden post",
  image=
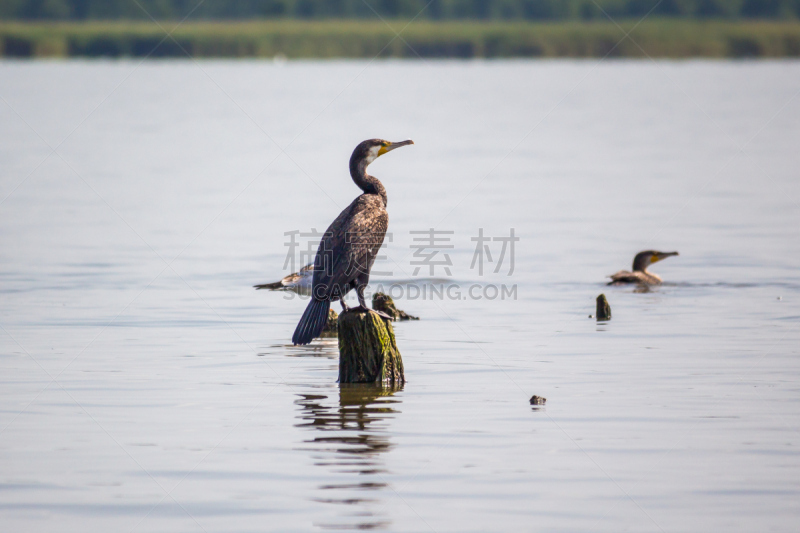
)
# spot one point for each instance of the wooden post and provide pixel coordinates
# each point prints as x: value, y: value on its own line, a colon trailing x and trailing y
x: 603, y: 308
x: 332, y: 325
x: 367, y: 350
x: 383, y: 302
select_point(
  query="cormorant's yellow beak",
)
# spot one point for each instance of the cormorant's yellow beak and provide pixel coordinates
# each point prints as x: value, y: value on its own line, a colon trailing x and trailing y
x: 661, y: 255
x: 389, y: 146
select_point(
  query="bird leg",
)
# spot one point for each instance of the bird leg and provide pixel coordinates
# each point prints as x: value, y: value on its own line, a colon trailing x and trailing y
x: 360, y: 293
x: 344, y: 305
x: 362, y: 305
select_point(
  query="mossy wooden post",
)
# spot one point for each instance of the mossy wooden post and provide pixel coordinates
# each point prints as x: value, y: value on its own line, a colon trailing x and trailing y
x: 603, y: 308
x: 383, y: 302
x: 331, y: 328
x: 367, y: 350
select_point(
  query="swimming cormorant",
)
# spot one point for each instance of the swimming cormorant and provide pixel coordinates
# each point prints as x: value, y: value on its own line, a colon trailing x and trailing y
x: 640, y: 273
x: 349, y: 246
x: 299, y: 282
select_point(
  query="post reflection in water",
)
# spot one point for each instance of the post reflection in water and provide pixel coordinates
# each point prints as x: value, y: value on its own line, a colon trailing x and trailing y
x: 352, y: 436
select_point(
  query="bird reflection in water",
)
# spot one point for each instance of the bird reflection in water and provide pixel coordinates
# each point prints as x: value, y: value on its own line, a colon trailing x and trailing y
x: 352, y: 436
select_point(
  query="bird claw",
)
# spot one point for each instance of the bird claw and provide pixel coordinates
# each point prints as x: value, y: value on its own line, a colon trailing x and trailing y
x: 383, y: 315
x: 362, y: 309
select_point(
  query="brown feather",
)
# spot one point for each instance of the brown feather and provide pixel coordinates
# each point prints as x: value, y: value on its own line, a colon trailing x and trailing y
x: 350, y: 245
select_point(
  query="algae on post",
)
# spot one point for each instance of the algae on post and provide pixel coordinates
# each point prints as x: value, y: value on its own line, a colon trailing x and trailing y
x: 368, y: 350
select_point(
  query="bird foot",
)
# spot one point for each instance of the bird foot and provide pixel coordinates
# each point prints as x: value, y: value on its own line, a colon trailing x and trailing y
x: 383, y: 315
x: 363, y: 309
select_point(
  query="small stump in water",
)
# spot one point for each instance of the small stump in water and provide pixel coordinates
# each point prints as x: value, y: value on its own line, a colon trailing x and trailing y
x: 367, y: 350
x: 603, y: 309
x: 332, y: 325
x: 538, y: 400
x: 383, y: 302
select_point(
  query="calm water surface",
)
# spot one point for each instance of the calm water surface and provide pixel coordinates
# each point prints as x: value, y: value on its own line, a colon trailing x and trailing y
x: 147, y: 387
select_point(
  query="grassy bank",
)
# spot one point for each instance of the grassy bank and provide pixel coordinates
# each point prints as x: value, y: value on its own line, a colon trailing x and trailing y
x: 362, y: 39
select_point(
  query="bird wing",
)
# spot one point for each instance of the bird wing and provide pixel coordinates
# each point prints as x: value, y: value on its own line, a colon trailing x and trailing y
x: 292, y: 281
x: 271, y: 286
x: 349, y: 246
x: 647, y: 278
x: 624, y: 276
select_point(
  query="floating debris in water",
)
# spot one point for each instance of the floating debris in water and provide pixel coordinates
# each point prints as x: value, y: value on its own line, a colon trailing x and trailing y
x: 538, y: 400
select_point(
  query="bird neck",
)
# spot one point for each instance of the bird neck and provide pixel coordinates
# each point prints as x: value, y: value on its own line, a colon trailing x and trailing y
x: 368, y: 184
x: 640, y: 264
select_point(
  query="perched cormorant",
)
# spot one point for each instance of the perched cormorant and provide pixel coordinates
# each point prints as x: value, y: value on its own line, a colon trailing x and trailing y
x: 640, y: 273
x: 299, y: 282
x: 349, y: 246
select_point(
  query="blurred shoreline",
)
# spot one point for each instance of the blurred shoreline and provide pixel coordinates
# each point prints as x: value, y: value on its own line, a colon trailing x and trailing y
x: 293, y: 39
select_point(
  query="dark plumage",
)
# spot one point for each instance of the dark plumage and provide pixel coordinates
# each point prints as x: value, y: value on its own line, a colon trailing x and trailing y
x: 640, y: 273
x: 348, y: 248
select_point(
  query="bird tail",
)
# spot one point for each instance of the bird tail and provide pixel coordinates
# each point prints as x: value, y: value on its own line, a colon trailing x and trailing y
x: 271, y: 286
x: 312, y: 323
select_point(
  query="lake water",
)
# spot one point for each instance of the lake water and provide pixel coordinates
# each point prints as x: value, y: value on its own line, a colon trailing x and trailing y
x: 147, y: 387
